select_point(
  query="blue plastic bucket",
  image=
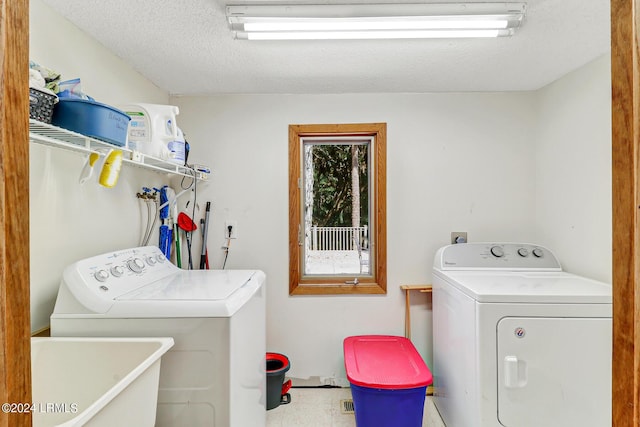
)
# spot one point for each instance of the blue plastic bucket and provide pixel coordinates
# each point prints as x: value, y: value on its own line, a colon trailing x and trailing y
x: 92, y: 119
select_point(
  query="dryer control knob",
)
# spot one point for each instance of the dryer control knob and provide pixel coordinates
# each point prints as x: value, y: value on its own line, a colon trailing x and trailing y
x: 497, y: 251
x: 117, y: 271
x: 537, y: 252
x: 136, y: 265
x: 151, y: 261
x: 160, y: 258
x: 101, y: 275
x: 523, y: 252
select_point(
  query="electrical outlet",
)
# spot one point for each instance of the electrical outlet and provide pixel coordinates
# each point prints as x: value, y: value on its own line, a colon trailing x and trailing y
x: 234, y: 229
x: 458, y: 237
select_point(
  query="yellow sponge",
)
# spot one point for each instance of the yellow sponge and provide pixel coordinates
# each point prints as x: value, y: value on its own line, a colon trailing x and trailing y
x: 111, y: 169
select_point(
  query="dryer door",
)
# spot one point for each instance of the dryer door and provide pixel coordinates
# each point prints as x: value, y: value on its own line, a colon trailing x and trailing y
x: 554, y: 372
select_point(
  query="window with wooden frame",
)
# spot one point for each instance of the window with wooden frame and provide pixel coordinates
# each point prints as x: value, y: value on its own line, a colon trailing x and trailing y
x: 337, y: 209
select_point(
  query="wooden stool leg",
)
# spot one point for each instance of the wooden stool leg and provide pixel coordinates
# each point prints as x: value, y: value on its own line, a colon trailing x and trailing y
x: 407, y: 309
x: 407, y: 315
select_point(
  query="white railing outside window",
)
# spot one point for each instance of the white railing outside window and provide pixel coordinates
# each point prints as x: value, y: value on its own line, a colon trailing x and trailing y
x: 339, y: 238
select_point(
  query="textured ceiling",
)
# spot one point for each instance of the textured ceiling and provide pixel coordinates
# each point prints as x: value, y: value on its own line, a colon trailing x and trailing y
x: 185, y: 47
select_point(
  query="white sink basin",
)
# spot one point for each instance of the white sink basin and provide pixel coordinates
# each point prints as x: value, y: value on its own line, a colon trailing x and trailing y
x: 96, y: 381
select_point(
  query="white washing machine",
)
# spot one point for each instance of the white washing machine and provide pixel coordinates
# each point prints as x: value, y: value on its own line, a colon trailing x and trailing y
x: 215, y: 373
x: 517, y: 341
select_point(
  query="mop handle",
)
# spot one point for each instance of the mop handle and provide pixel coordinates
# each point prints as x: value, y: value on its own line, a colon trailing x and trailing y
x: 188, y: 233
x: 203, y: 254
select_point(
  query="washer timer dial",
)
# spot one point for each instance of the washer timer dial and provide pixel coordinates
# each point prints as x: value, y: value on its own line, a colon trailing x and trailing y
x: 117, y: 271
x: 497, y: 251
x: 136, y: 265
x: 101, y: 275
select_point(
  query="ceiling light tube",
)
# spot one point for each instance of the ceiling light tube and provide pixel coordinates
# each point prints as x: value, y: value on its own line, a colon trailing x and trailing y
x: 375, y: 21
x: 363, y: 35
x: 409, y: 23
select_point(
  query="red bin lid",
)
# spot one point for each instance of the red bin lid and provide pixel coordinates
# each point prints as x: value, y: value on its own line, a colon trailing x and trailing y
x: 384, y: 361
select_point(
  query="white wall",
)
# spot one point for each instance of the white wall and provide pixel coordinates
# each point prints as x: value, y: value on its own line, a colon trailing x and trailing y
x: 456, y: 162
x: 68, y: 221
x: 514, y: 166
x: 573, y: 169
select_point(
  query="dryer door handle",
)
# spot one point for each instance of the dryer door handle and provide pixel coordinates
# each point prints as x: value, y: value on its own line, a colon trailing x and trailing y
x: 515, y: 374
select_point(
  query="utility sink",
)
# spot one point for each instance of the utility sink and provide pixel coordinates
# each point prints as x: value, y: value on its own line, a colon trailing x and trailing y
x: 96, y: 381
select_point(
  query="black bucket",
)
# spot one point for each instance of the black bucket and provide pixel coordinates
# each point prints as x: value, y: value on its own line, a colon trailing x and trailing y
x: 277, y: 365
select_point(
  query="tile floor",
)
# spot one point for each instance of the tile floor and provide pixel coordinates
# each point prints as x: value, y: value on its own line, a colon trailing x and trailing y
x: 320, y: 407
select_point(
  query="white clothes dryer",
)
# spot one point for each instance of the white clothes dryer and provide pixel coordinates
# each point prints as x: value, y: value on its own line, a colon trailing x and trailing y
x: 517, y: 341
x: 215, y: 375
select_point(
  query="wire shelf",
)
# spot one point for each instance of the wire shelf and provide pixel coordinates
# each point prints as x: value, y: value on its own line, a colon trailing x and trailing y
x: 53, y: 136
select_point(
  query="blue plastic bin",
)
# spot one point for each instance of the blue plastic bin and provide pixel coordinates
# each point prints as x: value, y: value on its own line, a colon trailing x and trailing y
x: 388, y: 380
x: 92, y: 119
x: 376, y: 407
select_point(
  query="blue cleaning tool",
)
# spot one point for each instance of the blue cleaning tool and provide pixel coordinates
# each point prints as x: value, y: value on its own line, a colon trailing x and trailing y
x: 169, y: 243
x: 165, y: 232
x: 164, y: 212
x: 165, y: 241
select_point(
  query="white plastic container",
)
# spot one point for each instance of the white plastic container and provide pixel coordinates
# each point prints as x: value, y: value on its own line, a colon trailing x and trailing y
x: 177, y: 149
x: 152, y: 128
x: 96, y: 381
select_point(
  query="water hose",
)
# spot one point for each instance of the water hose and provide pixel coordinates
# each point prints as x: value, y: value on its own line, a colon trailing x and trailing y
x: 148, y: 197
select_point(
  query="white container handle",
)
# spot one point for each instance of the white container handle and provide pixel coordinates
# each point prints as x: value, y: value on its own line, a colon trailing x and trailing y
x: 173, y: 122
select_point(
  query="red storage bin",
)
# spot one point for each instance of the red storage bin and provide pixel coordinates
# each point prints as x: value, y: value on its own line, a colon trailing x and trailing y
x: 388, y: 380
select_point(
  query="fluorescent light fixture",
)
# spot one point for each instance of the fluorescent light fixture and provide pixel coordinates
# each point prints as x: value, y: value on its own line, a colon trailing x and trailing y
x: 374, y: 21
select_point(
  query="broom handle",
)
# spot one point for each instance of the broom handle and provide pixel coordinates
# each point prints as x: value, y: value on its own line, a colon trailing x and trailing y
x: 203, y: 254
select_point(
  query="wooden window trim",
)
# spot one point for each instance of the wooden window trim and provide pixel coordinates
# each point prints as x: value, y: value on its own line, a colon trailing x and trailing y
x: 377, y: 284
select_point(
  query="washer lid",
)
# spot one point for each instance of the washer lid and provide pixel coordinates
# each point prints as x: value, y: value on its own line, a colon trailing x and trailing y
x: 528, y: 287
x: 192, y: 285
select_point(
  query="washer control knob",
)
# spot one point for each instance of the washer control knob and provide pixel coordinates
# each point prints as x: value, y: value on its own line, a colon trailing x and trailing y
x: 117, y: 271
x: 136, y: 265
x: 523, y: 252
x: 101, y: 275
x: 497, y: 251
x: 160, y: 258
x: 537, y: 252
x: 151, y: 261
